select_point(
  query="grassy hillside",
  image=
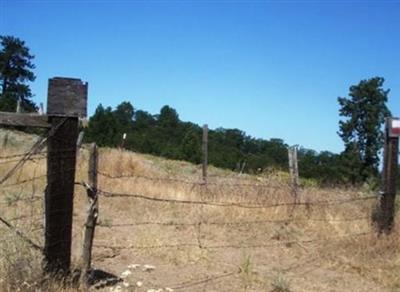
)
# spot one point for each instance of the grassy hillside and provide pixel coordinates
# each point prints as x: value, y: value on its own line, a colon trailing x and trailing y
x: 161, y: 228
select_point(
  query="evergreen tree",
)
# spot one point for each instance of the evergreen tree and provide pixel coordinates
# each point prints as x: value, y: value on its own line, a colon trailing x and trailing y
x: 365, y: 111
x: 143, y: 120
x: 143, y: 136
x: 169, y: 133
x: 15, y: 71
x: 124, y: 114
x: 168, y: 118
x: 103, y: 128
x: 191, y: 146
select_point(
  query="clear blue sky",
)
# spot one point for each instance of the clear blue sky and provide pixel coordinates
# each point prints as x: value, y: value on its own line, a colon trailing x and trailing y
x: 270, y: 68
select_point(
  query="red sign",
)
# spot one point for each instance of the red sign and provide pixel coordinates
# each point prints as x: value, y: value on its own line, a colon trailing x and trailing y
x: 394, y: 129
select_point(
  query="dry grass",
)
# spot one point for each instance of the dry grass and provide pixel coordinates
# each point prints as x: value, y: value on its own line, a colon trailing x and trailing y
x: 306, y: 248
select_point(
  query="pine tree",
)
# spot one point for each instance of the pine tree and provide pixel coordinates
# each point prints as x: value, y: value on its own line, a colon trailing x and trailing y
x: 365, y: 111
x: 15, y: 71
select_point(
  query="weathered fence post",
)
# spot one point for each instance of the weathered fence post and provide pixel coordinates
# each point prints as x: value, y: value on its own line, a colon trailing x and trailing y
x: 41, y: 109
x: 92, y: 215
x: 205, y: 153
x: 293, y: 169
x: 122, y: 145
x: 386, y: 212
x: 79, y: 141
x: 66, y: 102
x: 18, y: 109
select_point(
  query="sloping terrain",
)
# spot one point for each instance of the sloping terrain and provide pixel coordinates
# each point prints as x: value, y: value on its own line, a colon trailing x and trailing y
x: 161, y: 227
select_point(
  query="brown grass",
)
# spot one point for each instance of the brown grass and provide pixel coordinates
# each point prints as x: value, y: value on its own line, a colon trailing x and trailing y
x: 306, y: 248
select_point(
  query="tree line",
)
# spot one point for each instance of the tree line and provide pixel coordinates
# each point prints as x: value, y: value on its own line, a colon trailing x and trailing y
x: 164, y: 134
x: 362, y: 113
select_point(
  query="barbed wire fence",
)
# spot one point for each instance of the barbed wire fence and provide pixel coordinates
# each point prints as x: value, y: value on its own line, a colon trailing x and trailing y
x: 17, y: 162
x: 11, y: 199
x: 207, y: 191
x: 99, y: 193
x: 66, y: 104
x: 22, y: 198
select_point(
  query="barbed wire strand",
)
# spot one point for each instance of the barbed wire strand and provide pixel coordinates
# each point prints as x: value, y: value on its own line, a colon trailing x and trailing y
x: 253, y: 222
x: 233, y: 204
x: 33, y: 159
x: 20, y: 155
x: 21, y: 235
x: 25, y: 181
x: 34, y: 149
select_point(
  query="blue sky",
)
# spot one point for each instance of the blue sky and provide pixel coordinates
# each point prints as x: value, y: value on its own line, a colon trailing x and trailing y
x: 271, y: 68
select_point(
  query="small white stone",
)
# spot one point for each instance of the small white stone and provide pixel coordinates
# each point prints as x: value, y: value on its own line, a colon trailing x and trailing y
x: 139, y: 283
x: 148, y: 268
x: 169, y: 289
x: 151, y: 290
x: 126, y: 284
x: 133, y: 266
x: 125, y: 274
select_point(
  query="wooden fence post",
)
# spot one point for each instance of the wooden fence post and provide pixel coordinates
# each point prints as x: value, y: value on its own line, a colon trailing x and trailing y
x: 122, y: 145
x: 66, y: 102
x: 205, y: 153
x: 92, y: 215
x: 296, y: 168
x: 18, y: 109
x: 80, y: 140
x: 293, y: 169
x: 386, y: 212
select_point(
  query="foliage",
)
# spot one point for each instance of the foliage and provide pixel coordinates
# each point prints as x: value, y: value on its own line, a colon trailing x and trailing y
x: 15, y: 71
x: 103, y: 127
x: 190, y: 148
x: 324, y: 167
x: 364, y: 112
x: 164, y: 134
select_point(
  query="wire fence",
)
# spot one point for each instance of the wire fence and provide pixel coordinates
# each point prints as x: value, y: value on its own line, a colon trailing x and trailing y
x: 109, y: 194
x: 230, y: 223
x: 25, y: 181
x: 202, y: 222
x: 201, y: 200
x: 14, y: 193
